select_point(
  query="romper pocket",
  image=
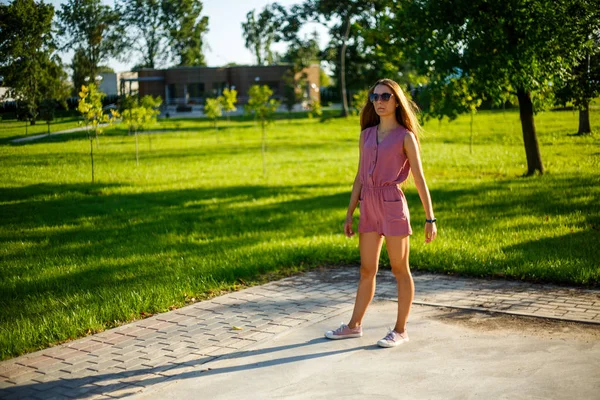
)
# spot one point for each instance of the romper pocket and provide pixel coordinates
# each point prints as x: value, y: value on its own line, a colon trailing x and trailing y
x: 394, y: 210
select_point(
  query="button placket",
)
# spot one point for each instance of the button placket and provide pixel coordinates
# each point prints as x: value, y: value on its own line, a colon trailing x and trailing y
x: 374, y: 162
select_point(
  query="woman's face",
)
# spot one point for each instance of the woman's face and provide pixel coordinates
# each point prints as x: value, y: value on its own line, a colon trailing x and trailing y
x: 382, y: 107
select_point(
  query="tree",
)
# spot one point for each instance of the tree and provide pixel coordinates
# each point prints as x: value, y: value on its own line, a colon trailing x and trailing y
x: 260, y: 33
x: 262, y: 106
x: 324, y: 79
x: 93, y: 30
x: 519, y: 46
x: 28, y: 62
x: 213, y: 110
x: 359, y: 99
x: 228, y: 101
x: 131, y: 115
x: 27, y: 111
x: 185, y: 27
x: 48, y: 110
x: 139, y: 114
x: 151, y: 106
x: 449, y: 98
x: 146, y: 31
x: 90, y: 107
x: 346, y: 13
x: 583, y: 84
x: 292, y: 91
x: 300, y: 55
x: 81, y: 70
x: 315, y: 108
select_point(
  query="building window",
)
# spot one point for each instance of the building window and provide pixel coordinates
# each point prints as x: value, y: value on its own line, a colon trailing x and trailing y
x: 273, y: 85
x: 218, y: 88
x: 171, y: 91
x: 195, y: 92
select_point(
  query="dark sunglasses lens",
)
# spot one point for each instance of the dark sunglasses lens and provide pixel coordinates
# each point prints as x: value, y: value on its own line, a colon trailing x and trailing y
x: 384, y: 97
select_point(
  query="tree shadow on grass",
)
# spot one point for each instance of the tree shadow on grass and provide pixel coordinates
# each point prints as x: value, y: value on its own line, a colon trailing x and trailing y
x: 24, y: 193
x: 568, y: 203
x: 578, y: 248
x: 165, y: 226
x: 127, y: 243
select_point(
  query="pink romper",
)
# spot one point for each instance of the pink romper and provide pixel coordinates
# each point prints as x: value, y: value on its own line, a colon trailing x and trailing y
x: 383, y: 166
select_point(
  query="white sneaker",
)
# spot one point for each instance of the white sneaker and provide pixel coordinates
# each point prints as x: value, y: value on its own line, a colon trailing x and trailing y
x: 393, y: 339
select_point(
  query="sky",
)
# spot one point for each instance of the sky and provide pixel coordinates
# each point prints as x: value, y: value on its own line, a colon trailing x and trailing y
x: 224, y: 39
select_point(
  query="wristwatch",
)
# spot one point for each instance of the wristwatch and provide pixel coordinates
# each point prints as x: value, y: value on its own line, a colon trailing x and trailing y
x: 431, y: 221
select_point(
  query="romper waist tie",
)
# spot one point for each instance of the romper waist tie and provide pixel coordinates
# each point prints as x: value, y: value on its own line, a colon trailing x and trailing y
x: 380, y: 187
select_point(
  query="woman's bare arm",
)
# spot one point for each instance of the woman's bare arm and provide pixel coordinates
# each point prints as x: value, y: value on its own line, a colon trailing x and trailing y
x: 411, y: 148
x: 355, y: 195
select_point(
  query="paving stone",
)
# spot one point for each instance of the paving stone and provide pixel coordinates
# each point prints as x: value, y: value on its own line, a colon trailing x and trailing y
x: 6, y: 385
x: 76, y: 368
x: 24, y: 378
x: 139, y: 379
x: 157, y: 361
x: 100, y: 397
x: 123, y: 390
x: 20, y: 393
x: 15, y: 370
x: 67, y: 385
x: 578, y: 315
x: 201, y: 332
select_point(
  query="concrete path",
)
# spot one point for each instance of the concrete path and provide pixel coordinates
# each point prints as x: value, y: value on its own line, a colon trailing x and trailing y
x: 442, y: 361
x: 458, y: 349
x: 36, y: 137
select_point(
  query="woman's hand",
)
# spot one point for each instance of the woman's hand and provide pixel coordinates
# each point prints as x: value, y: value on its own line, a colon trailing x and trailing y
x: 430, y: 232
x: 348, y: 226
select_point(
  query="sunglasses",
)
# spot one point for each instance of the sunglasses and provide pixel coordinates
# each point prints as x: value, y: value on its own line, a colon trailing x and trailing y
x: 374, y: 97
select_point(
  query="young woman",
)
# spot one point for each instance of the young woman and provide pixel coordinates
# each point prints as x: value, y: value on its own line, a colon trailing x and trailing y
x: 389, y: 150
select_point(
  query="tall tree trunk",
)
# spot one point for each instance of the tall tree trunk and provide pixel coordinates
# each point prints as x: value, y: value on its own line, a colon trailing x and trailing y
x: 584, y: 120
x: 257, y: 50
x: 137, y: 157
x: 92, y: 156
x: 343, y: 68
x: 471, y: 141
x: 264, y: 140
x: 532, y: 149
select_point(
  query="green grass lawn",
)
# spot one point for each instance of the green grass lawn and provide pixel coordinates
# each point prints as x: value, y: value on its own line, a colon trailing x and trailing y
x: 197, y: 217
x: 13, y: 129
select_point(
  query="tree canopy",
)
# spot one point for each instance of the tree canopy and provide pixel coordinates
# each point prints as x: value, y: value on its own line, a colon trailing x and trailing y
x: 28, y: 62
x: 146, y: 32
x: 185, y: 27
x: 261, y: 31
x: 519, y: 47
x: 92, y: 29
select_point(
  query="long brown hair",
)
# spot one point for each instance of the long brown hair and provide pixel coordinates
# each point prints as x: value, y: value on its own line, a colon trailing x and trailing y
x: 406, y: 113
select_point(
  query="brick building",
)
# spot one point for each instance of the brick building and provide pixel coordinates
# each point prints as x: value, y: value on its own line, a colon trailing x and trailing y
x: 191, y: 85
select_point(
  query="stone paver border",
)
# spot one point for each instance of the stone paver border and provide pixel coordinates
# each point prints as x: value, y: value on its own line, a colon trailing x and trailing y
x: 125, y: 360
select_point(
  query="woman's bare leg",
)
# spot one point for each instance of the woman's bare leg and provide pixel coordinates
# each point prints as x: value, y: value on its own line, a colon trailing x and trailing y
x: 398, y: 249
x: 370, y: 248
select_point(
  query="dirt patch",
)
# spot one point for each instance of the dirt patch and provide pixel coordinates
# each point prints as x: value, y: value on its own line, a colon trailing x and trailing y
x: 514, y: 324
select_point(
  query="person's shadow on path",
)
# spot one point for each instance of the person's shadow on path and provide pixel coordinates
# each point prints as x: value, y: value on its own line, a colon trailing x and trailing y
x: 84, y: 387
